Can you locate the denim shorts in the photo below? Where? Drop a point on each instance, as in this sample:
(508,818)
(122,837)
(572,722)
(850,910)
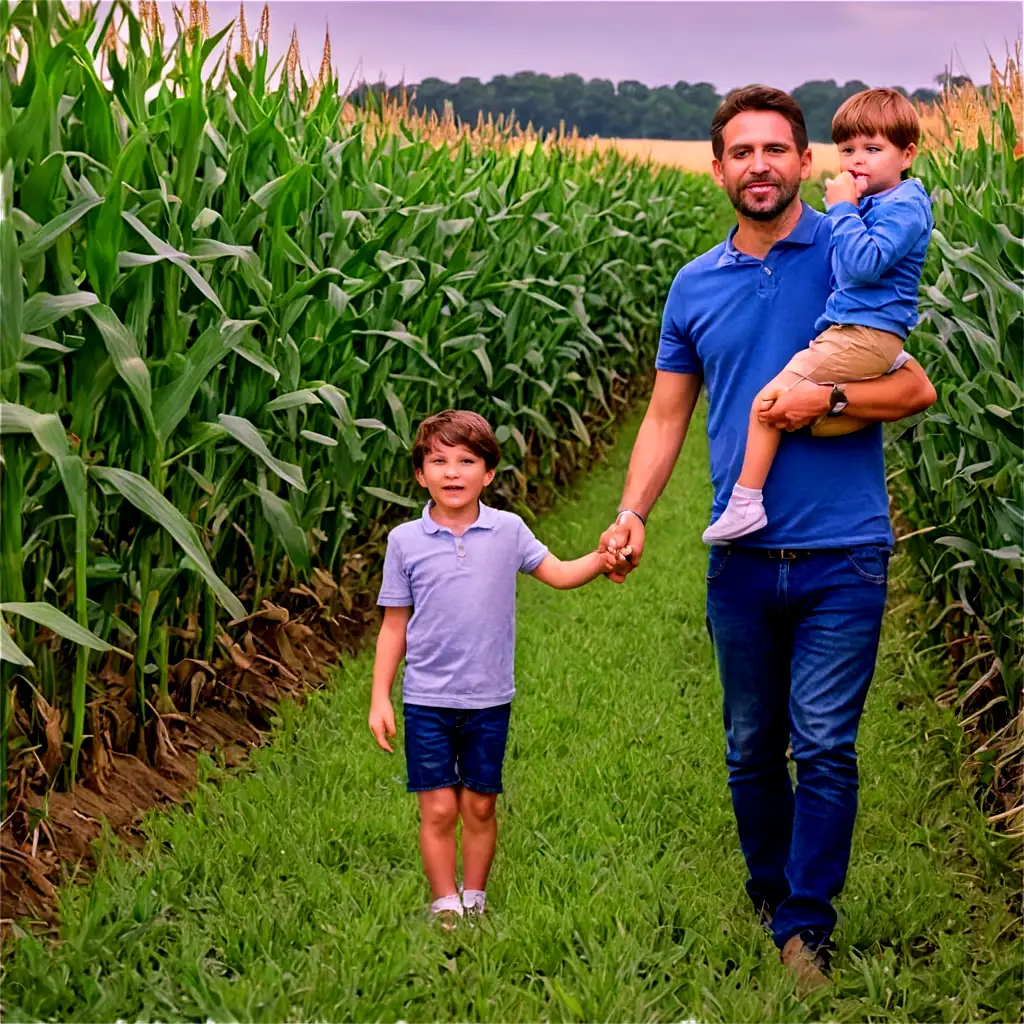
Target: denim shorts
(455,747)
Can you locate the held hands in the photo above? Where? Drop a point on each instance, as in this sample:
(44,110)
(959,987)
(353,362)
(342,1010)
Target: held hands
(382,722)
(844,188)
(616,562)
(623,541)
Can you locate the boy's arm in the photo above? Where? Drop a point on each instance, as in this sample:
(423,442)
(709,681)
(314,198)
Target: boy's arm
(866,253)
(568,575)
(390,652)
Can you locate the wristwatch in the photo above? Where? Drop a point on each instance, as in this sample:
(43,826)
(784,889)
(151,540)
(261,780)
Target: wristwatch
(837,401)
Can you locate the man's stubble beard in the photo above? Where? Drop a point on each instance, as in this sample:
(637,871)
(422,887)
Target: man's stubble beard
(787,193)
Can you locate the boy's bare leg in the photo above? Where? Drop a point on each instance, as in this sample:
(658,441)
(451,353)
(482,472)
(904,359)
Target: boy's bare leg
(479,837)
(745,512)
(763,440)
(439,813)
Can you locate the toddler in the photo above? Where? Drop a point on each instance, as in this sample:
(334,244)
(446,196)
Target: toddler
(881,225)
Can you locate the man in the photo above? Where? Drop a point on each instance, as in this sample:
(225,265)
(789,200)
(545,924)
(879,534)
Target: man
(794,610)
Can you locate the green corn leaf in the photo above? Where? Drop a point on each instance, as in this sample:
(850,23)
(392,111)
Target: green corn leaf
(178,258)
(124,354)
(36,244)
(293,400)
(49,434)
(395,499)
(312,435)
(147,499)
(41,310)
(54,619)
(12,320)
(246,434)
(35,341)
(281,517)
(171,404)
(10,651)
(248,351)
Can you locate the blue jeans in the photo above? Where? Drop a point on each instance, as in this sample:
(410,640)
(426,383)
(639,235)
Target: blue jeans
(795,641)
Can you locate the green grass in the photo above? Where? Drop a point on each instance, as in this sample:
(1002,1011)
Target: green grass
(293,891)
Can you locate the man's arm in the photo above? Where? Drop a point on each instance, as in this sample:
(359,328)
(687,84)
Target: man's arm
(654,457)
(660,439)
(895,396)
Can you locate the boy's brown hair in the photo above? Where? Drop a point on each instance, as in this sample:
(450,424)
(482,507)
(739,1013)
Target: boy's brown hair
(757,97)
(454,427)
(884,112)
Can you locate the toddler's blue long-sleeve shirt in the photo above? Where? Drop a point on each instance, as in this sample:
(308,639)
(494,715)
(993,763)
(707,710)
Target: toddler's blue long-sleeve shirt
(878,252)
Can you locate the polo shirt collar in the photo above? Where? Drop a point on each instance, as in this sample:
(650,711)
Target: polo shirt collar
(485,521)
(803,234)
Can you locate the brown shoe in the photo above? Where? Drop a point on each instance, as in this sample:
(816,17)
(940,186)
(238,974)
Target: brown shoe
(809,965)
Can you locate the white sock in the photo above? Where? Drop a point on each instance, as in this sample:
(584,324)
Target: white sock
(749,493)
(474,899)
(452,903)
(744,514)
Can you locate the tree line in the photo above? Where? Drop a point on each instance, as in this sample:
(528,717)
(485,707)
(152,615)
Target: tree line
(627,109)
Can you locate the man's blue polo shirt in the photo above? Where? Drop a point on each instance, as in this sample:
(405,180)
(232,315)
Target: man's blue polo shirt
(736,320)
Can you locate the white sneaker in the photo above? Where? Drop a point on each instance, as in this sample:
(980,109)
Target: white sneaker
(741,516)
(474,901)
(446,911)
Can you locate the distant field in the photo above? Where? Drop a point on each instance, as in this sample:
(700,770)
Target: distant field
(696,156)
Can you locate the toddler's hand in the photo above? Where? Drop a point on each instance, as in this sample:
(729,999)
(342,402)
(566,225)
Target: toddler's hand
(842,189)
(615,558)
(382,723)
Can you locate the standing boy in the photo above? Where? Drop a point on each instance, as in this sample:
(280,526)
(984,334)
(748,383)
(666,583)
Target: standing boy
(449,609)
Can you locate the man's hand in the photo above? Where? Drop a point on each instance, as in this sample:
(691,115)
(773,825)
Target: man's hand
(800,406)
(625,538)
(844,188)
(382,723)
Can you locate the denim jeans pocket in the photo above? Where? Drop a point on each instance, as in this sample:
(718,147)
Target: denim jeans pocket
(718,559)
(870,562)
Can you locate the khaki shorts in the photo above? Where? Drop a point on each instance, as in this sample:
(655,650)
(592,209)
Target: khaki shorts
(844,353)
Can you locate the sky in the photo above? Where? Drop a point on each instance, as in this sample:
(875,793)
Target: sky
(726,42)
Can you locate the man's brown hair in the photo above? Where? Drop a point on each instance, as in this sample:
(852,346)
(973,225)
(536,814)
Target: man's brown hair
(454,427)
(757,97)
(884,112)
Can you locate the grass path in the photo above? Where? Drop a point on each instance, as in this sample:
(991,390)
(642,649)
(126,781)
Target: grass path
(293,891)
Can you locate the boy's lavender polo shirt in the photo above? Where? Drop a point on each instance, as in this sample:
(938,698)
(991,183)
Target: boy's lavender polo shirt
(460,642)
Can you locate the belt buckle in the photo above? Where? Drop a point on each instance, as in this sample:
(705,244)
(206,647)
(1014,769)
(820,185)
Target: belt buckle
(783,554)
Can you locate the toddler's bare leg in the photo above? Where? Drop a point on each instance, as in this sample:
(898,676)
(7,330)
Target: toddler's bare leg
(762,440)
(439,813)
(479,836)
(745,512)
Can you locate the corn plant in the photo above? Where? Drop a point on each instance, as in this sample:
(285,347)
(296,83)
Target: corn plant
(226,304)
(963,466)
